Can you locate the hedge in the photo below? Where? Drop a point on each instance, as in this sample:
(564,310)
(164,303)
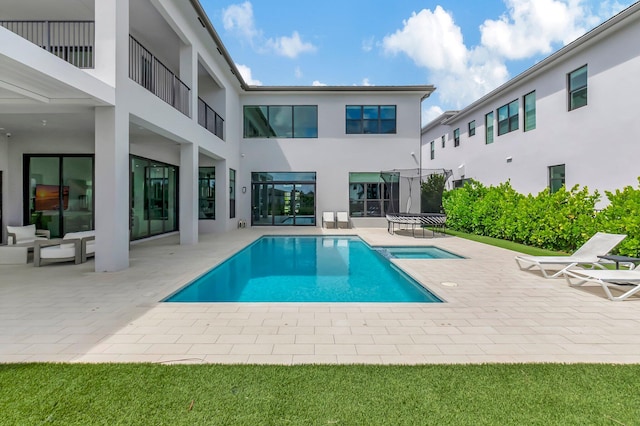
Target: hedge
(561,221)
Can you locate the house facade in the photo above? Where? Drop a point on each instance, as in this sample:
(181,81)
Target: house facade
(130,117)
(569,119)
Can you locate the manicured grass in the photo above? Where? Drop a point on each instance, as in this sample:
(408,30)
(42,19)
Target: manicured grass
(152,394)
(532,251)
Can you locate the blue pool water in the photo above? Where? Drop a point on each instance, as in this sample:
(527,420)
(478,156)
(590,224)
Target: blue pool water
(305,269)
(415,252)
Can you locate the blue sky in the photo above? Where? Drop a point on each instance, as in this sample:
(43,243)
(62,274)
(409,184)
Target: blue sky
(465,48)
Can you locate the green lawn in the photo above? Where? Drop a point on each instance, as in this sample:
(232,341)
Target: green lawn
(532,251)
(152,394)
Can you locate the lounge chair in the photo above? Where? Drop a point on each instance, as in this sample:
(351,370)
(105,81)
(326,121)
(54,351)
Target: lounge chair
(328,218)
(74,246)
(620,279)
(600,244)
(342,218)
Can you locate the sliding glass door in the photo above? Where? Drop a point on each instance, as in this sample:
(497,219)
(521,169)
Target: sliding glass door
(58,193)
(154,198)
(283,199)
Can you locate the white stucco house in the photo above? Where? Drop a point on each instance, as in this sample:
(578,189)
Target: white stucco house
(129,117)
(571,119)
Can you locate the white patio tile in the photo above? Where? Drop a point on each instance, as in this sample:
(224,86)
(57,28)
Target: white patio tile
(496,314)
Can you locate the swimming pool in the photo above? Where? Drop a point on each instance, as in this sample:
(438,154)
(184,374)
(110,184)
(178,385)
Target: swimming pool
(305,269)
(415,252)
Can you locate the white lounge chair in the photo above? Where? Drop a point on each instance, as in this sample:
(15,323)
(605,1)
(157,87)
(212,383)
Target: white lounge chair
(328,218)
(74,246)
(619,279)
(598,245)
(342,218)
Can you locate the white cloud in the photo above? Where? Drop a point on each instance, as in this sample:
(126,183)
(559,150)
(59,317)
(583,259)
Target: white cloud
(431,40)
(462,74)
(245,72)
(298,72)
(366,82)
(239,19)
(317,83)
(368,43)
(290,47)
(430,113)
(534,26)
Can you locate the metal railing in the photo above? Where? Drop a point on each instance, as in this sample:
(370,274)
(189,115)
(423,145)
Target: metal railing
(209,119)
(72,41)
(146,70)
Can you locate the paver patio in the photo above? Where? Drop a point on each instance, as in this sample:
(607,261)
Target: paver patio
(496,313)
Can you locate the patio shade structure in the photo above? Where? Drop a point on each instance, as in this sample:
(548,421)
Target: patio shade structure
(410,181)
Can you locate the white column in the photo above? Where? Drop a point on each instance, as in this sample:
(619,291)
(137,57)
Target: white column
(110,17)
(188,194)
(4,168)
(189,75)
(112,189)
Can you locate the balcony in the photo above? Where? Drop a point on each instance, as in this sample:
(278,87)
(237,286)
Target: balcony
(209,119)
(146,70)
(72,41)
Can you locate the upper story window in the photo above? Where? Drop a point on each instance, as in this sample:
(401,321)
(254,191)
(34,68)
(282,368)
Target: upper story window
(371,119)
(508,118)
(472,128)
(433,149)
(443,139)
(488,126)
(456,137)
(577,88)
(529,111)
(281,121)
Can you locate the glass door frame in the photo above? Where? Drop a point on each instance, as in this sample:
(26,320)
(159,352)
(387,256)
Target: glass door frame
(26,187)
(150,163)
(269,187)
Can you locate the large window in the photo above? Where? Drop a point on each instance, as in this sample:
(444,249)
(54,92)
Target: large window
(488,126)
(207,193)
(556,177)
(154,198)
(283,198)
(58,193)
(373,194)
(456,137)
(281,121)
(577,87)
(508,118)
(232,193)
(529,111)
(472,128)
(371,119)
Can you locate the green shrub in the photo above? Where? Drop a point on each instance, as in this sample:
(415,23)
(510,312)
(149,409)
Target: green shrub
(622,216)
(561,221)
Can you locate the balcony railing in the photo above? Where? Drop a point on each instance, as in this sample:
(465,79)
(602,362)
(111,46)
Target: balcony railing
(209,119)
(72,41)
(146,70)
